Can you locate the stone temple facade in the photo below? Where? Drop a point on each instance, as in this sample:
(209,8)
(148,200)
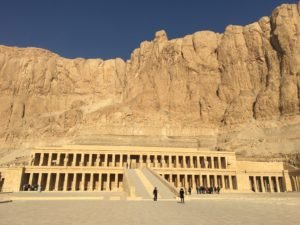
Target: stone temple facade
(105,168)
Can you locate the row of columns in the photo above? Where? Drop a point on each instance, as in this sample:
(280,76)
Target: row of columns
(110,181)
(227,182)
(127,160)
(295,181)
(75,181)
(266,183)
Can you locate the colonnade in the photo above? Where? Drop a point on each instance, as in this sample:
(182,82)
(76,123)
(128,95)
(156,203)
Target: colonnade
(114,181)
(129,160)
(295,181)
(75,181)
(266,183)
(228,182)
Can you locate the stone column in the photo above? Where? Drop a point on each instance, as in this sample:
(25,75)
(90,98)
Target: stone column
(298,183)
(82,160)
(277,183)
(82,181)
(65,188)
(148,161)
(185,181)
(74,160)
(155,161)
(113,160)
(193,181)
(211,162)
(192,164)
(139,162)
(128,160)
(47,188)
(66,159)
(41,159)
(271,184)
(56,187)
(106,163)
(90,163)
(262,184)
(255,184)
(215,163)
(49,159)
(184,161)
(208,180)
(200,180)
(215,180)
(197,162)
(30,178)
(97,163)
(100,182)
(230,183)
(170,162)
(287,181)
(219,163)
(116,181)
(223,181)
(176,161)
(108,182)
(163,161)
(178,181)
(40,179)
(91,182)
(58,159)
(121,160)
(205,162)
(74,182)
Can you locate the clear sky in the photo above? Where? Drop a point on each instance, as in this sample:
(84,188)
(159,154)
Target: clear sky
(113,28)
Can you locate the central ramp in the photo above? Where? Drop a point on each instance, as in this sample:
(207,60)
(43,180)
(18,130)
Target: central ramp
(144,180)
(164,191)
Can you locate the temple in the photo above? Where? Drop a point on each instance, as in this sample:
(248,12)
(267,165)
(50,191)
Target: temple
(106,168)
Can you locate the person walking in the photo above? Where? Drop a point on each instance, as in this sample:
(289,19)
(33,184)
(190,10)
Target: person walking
(155,192)
(181,195)
(190,190)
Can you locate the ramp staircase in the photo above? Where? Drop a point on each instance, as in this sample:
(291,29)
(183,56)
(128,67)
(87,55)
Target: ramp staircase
(141,182)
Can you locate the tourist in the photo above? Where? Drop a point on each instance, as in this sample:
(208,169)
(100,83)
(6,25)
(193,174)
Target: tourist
(218,190)
(181,195)
(190,190)
(155,192)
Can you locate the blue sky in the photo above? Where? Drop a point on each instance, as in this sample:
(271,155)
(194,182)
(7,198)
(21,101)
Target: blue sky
(113,28)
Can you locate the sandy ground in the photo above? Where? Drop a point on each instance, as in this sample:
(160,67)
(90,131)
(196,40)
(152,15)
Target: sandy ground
(233,209)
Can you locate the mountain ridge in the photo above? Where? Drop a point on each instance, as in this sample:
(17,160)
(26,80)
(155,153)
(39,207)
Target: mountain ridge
(238,91)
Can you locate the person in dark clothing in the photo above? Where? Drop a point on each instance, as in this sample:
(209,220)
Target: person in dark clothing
(190,190)
(181,194)
(155,192)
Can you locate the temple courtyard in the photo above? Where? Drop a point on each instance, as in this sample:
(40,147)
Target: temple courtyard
(113,209)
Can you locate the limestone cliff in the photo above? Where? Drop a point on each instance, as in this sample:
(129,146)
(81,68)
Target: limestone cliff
(235,91)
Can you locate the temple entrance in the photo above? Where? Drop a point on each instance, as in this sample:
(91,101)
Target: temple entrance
(133,164)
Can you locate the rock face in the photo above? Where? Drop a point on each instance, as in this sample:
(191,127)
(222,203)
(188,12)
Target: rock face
(234,91)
